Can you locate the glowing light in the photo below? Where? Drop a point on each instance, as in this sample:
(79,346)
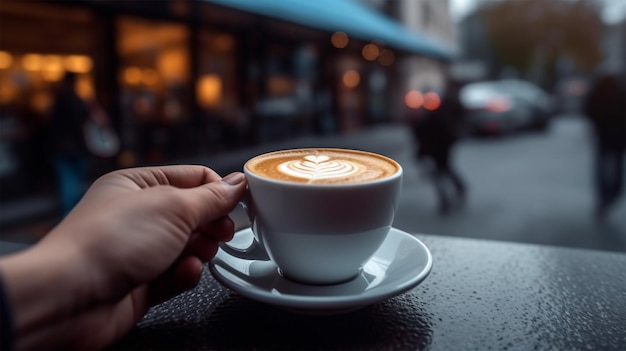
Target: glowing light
(370,52)
(78,63)
(132,75)
(431,101)
(280,85)
(209,90)
(351,78)
(149,77)
(172,65)
(339,40)
(84,87)
(41,101)
(9,91)
(386,57)
(223,43)
(498,104)
(414,99)
(32,62)
(52,68)
(6,60)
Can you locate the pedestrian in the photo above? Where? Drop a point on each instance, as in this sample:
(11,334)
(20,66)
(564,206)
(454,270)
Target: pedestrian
(606,109)
(437,132)
(138,237)
(66,145)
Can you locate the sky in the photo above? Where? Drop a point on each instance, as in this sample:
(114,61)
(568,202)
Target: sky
(614,10)
(459,8)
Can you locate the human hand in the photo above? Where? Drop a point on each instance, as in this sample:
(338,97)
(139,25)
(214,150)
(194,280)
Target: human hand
(137,237)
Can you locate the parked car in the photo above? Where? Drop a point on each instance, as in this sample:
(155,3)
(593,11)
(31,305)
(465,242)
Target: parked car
(504,106)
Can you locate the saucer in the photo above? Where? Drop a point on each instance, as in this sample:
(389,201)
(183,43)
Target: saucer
(401,263)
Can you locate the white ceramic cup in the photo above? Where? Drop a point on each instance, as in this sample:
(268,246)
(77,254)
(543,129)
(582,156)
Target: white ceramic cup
(319,233)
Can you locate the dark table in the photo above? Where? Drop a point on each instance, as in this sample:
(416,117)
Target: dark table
(480,295)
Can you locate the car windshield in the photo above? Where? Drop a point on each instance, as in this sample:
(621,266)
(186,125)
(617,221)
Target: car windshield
(476,94)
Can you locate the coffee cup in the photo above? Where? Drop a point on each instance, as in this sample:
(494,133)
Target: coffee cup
(319,213)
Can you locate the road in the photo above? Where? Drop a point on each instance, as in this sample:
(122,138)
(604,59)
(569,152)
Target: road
(533,187)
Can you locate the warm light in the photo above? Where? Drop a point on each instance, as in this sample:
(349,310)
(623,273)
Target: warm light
(41,101)
(498,104)
(223,43)
(386,57)
(339,40)
(132,75)
(370,52)
(9,91)
(172,65)
(6,60)
(209,90)
(32,62)
(84,87)
(431,101)
(52,68)
(149,77)
(280,85)
(414,99)
(351,78)
(78,63)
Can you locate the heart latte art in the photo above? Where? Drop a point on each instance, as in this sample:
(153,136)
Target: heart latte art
(316,167)
(322,166)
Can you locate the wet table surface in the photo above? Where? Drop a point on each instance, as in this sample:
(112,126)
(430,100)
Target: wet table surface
(480,295)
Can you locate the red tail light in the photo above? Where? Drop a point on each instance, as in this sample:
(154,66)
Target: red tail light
(498,104)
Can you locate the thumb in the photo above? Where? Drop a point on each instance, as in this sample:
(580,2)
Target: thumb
(217,199)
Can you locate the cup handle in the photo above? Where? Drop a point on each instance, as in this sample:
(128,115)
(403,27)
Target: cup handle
(256,250)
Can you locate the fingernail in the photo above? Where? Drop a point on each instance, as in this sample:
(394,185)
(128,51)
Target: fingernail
(234,178)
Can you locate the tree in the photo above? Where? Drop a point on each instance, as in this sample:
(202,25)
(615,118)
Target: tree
(527,34)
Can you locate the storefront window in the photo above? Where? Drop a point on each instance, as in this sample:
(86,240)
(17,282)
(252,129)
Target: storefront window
(351,93)
(154,84)
(39,44)
(217,71)
(224,121)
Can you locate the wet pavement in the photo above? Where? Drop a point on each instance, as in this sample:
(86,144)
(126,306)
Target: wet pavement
(531,187)
(534,187)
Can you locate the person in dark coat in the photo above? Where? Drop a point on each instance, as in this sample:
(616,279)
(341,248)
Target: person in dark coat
(67,144)
(437,132)
(606,109)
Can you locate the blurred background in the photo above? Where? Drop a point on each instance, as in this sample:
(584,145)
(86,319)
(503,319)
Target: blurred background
(215,82)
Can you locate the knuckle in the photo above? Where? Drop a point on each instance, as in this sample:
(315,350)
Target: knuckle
(178,200)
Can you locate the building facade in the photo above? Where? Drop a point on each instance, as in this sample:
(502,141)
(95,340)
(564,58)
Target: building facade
(182,78)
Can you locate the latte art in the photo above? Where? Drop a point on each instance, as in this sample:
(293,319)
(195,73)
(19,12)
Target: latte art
(322,166)
(315,167)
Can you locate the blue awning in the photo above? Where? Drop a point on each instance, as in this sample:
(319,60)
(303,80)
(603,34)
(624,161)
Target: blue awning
(351,17)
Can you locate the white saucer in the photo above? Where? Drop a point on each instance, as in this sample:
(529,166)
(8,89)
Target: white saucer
(401,263)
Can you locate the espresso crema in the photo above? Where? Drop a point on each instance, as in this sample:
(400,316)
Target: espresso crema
(322,166)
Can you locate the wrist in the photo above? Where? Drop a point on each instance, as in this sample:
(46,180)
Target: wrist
(43,287)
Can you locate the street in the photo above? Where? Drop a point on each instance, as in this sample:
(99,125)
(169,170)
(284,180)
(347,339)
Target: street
(533,187)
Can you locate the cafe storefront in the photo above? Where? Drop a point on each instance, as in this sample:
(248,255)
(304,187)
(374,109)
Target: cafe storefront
(180,78)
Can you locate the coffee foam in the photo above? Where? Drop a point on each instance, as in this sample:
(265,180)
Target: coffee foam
(322,166)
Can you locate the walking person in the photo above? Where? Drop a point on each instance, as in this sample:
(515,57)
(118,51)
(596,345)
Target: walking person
(66,143)
(437,132)
(606,109)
